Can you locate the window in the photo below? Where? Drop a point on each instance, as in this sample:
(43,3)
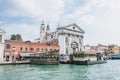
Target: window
(77,36)
(79,41)
(37,49)
(80,49)
(68,35)
(51,36)
(31,49)
(21,48)
(66,50)
(46,38)
(82,37)
(73,27)
(13,48)
(0,38)
(43,29)
(42,49)
(26,49)
(7,46)
(46,49)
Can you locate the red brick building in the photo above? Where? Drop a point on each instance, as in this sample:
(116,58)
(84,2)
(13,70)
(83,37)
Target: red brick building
(13,47)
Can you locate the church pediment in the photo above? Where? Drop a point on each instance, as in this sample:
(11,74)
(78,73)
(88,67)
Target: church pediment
(73,27)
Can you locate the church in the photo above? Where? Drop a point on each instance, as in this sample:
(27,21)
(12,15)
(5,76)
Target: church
(69,37)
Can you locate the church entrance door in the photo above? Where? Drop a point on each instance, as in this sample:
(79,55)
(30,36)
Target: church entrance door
(74,46)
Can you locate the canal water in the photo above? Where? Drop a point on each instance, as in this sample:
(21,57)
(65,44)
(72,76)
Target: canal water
(107,71)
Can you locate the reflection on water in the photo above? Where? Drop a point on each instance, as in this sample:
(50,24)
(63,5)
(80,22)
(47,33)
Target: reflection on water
(107,71)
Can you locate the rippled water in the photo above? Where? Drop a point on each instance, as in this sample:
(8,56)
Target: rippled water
(107,71)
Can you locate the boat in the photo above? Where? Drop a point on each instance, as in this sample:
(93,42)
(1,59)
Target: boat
(46,58)
(85,58)
(114,56)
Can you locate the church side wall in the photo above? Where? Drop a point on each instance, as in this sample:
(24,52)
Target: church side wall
(1,51)
(62,45)
(2,47)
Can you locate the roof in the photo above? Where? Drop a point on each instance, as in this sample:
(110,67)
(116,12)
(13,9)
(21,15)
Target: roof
(2,30)
(74,24)
(50,33)
(30,43)
(37,39)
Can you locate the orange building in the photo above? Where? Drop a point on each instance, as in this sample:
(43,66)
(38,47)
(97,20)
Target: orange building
(113,48)
(13,48)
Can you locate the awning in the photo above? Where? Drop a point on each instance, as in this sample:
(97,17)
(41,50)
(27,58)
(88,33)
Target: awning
(25,54)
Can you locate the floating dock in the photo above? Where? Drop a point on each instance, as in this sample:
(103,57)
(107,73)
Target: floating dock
(89,62)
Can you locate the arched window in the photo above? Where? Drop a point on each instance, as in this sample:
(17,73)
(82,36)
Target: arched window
(7,46)
(21,48)
(37,49)
(51,36)
(0,38)
(31,49)
(26,49)
(74,45)
(42,49)
(43,29)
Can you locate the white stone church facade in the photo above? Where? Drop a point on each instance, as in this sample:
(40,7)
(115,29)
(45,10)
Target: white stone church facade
(69,38)
(2,34)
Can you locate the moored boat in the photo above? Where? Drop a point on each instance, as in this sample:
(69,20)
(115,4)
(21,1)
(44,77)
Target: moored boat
(50,57)
(85,58)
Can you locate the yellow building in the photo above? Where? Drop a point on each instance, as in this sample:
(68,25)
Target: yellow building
(113,48)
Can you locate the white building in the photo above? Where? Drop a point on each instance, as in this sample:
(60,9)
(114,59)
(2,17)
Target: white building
(69,38)
(2,33)
(87,48)
(99,48)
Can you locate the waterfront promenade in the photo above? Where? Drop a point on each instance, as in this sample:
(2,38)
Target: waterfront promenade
(107,71)
(14,62)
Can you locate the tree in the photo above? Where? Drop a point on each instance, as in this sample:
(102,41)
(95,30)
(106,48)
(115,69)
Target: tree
(13,37)
(16,37)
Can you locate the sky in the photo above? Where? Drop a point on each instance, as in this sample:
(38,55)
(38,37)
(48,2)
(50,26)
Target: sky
(100,19)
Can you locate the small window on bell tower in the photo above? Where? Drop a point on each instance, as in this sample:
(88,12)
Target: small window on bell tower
(43,29)
(0,38)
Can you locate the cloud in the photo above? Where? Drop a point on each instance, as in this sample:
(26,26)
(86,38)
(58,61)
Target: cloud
(105,28)
(99,18)
(28,31)
(109,3)
(81,14)
(86,14)
(36,9)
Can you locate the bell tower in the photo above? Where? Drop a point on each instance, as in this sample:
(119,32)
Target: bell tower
(48,29)
(42,31)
